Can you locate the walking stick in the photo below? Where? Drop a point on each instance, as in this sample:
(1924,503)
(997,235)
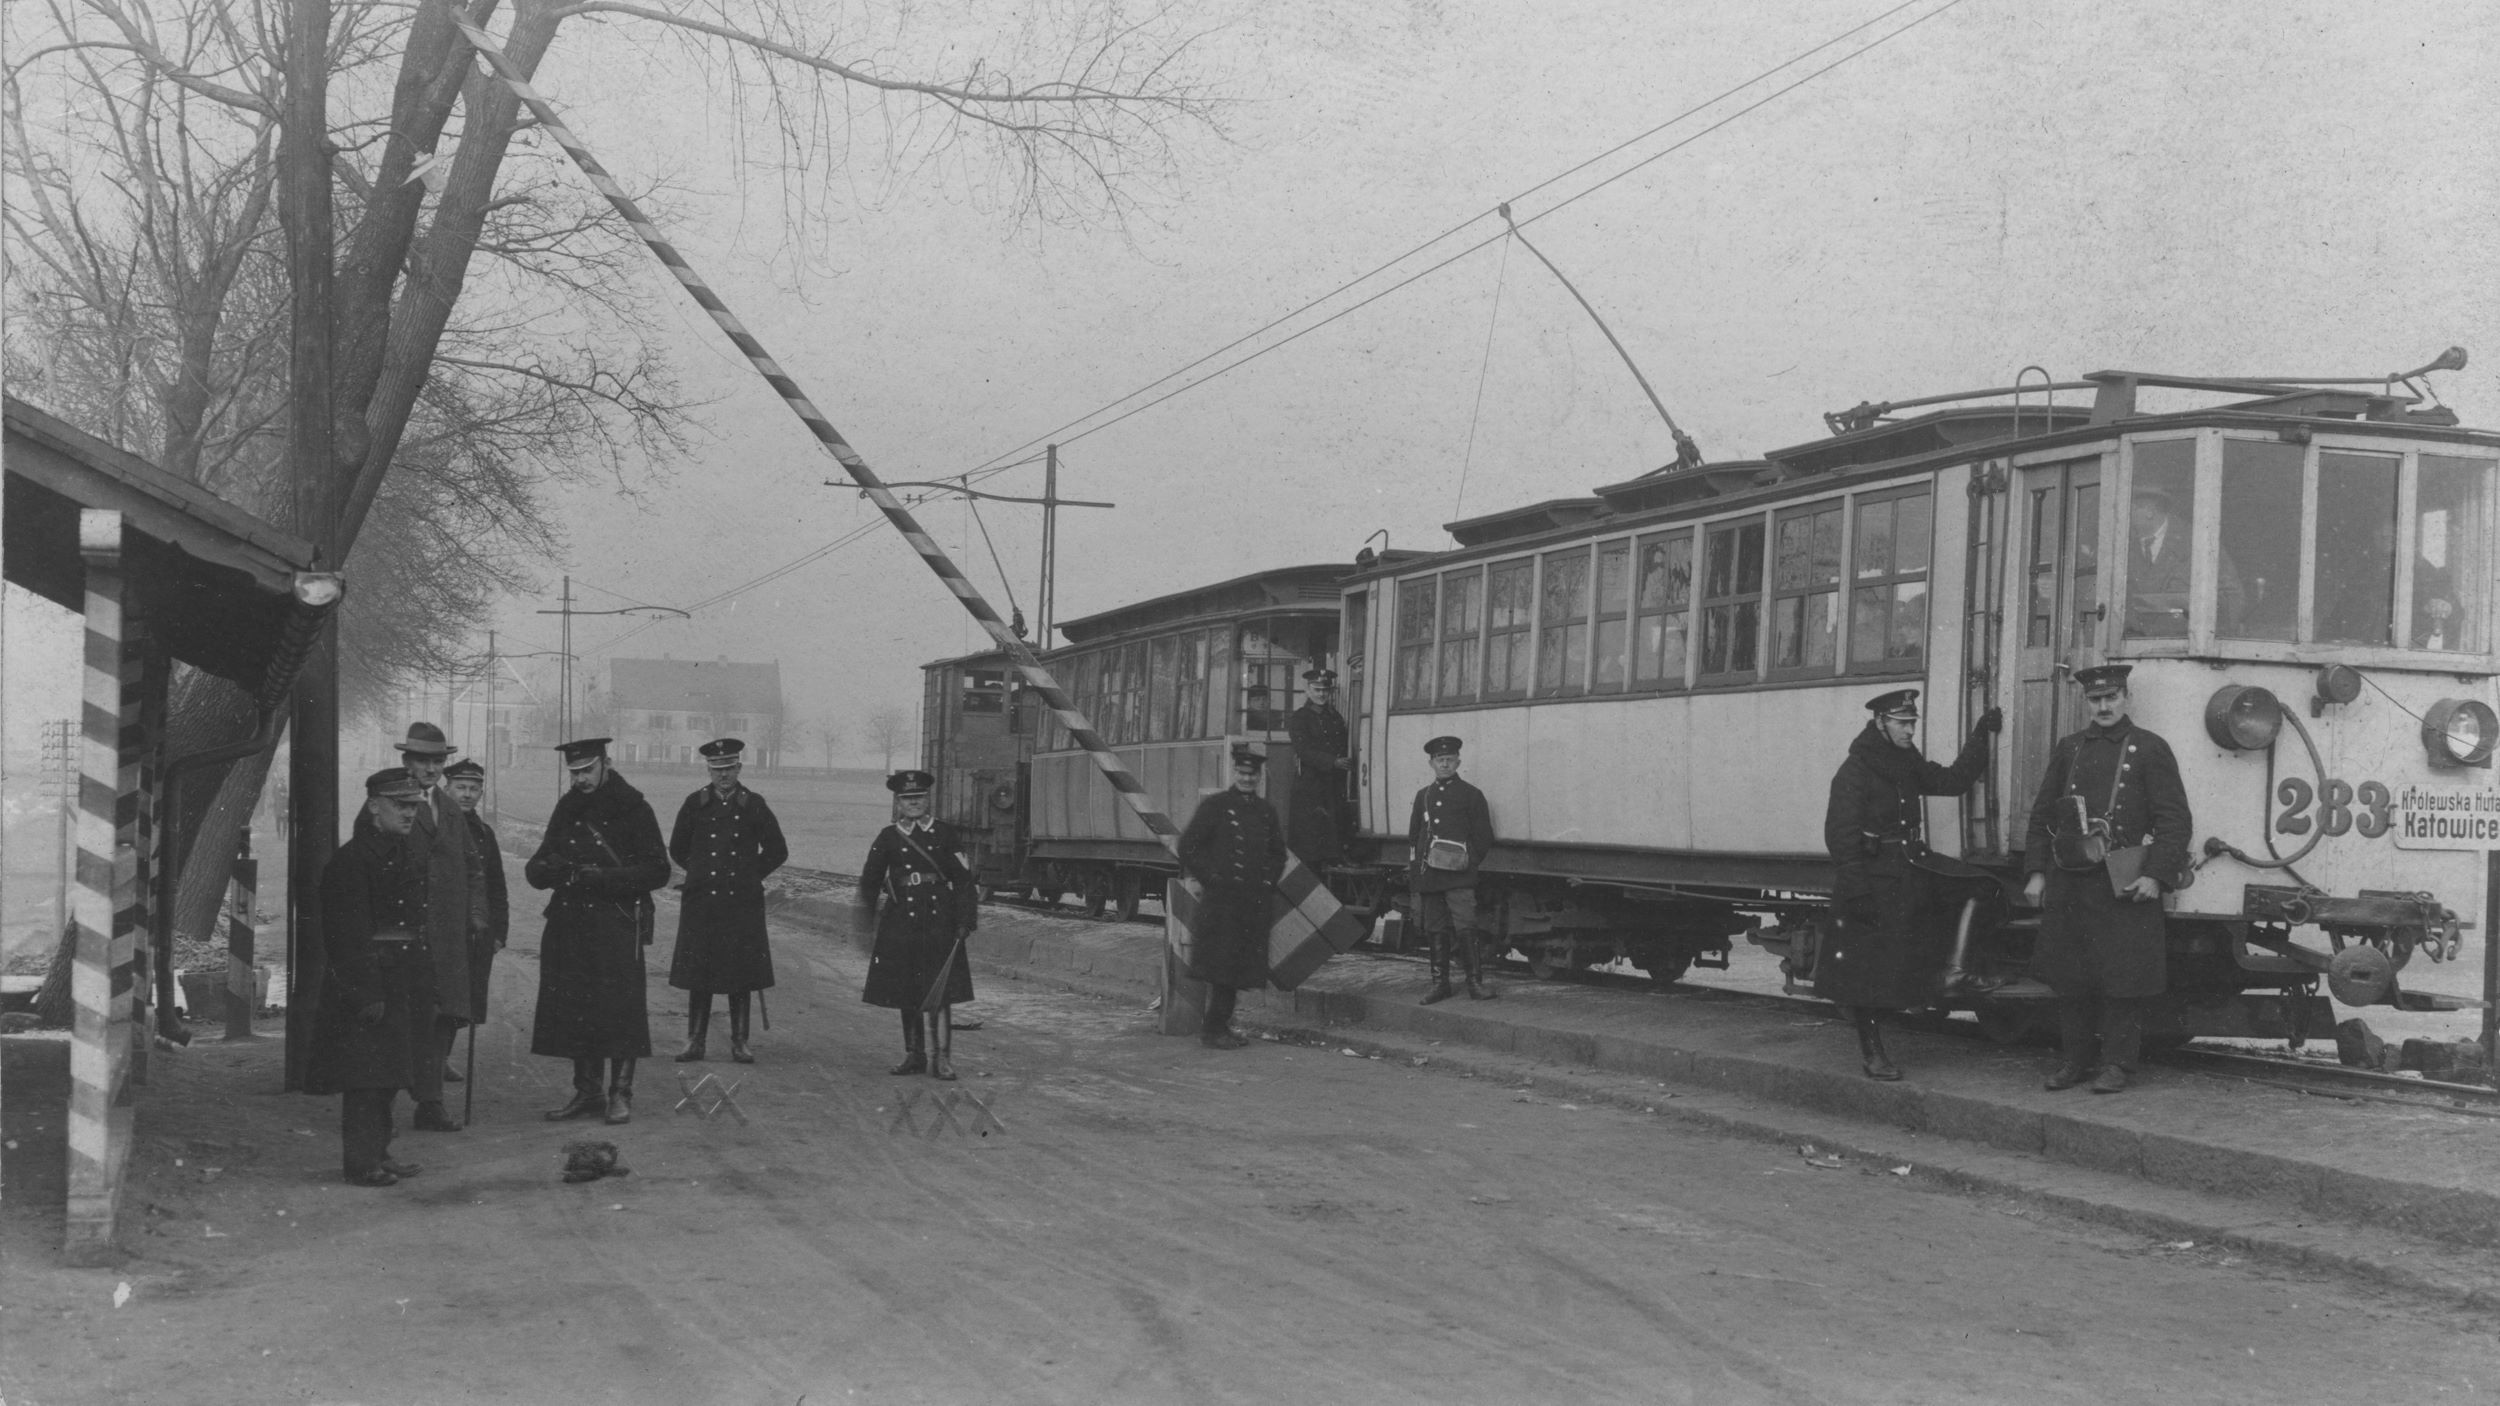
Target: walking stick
(468,1086)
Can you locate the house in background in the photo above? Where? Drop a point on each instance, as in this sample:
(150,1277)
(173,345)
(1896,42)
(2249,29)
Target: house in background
(660,710)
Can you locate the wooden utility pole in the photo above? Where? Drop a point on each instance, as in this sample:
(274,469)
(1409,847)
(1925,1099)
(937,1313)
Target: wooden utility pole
(313,721)
(1048,596)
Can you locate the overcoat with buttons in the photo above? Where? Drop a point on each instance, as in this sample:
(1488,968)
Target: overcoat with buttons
(374,884)
(1318,808)
(602,856)
(1235,847)
(485,945)
(1447,810)
(1884,948)
(922,901)
(2092,941)
(727,848)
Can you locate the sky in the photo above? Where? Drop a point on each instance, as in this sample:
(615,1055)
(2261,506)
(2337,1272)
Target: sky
(2289,189)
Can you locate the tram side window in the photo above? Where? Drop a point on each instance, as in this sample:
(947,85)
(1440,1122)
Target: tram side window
(1163,674)
(2452,555)
(1614,591)
(1462,620)
(2356,591)
(1805,586)
(1662,610)
(1188,709)
(1509,607)
(985,691)
(1562,652)
(2257,590)
(2161,521)
(1271,658)
(1888,594)
(1219,672)
(1731,601)
(1415,626)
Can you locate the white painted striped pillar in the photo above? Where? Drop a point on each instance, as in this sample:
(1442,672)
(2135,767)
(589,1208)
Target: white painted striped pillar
(99,1126)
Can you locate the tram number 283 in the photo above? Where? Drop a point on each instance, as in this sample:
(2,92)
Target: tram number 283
(2369,809)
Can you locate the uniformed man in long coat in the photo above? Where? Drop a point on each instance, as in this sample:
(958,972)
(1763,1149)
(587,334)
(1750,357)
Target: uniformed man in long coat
(1448,834)
(602,856)
(1886,948)
(1234,848)
(917,895)
(2111,797)
(727,840)
(374,1031)
(455,911)
(466,781)
(1316,823)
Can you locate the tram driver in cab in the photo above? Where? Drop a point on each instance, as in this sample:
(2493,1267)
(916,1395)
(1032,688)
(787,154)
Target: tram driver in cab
(2160,532)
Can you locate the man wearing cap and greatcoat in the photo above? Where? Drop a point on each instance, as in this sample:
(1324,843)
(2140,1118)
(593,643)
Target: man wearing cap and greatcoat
(1316,817)
(917,896)
(1448,834)
(1889,946)
(601,856)
(466,781)
(1235,848)
(727,840)
(455,911)
(373,1032)
(2111,800)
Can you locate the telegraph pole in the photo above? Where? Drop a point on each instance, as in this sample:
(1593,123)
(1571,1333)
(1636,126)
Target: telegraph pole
(313,721)
(1043,602)
(494,744)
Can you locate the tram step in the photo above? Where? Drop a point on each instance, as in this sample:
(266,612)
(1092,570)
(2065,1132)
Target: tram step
(2435,1001)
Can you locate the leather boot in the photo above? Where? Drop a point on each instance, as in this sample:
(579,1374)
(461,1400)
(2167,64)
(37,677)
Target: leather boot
(1440,970)
(1871,1053)
(1479,986)
(2074,1040)
(739,1004)
(698,1025)
(587,1098)
(620,1091)
(942,1043)
(915,1048)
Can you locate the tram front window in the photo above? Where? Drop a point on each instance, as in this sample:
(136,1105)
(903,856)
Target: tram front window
(2452,554)
(2356,600)
(2258,589)
(2161,520)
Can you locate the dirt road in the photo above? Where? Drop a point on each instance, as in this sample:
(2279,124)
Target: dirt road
(1147,1221)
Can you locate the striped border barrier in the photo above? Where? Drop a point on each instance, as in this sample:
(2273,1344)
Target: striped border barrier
(102,972)
(1315,914)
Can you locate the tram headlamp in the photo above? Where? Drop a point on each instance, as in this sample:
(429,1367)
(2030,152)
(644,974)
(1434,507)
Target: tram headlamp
(2243,718)
(2337,683)
(2460,732)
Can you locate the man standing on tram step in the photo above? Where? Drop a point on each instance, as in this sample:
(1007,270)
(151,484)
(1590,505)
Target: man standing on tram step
(1316,818)
(1235,848)
(1889,947)
(728,842)
(374,1030)
(455,912)
(2109,832)
(466,781)
(1449,834)
(917,896)
(602,856)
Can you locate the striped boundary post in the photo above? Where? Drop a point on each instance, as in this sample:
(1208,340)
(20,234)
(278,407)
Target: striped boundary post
(100,977)
(1309,898)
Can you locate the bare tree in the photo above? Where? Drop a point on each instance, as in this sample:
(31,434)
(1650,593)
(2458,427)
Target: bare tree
(482,300)
(888,727)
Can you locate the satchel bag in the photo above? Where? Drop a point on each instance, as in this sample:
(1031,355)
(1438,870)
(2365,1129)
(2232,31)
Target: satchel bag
(2087,843)
(2126,865)
(1448,855)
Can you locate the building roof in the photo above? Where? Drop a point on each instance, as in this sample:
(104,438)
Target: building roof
(694,685)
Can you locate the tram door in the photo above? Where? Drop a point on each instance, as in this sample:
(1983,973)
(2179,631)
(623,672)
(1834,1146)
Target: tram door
(2059,515)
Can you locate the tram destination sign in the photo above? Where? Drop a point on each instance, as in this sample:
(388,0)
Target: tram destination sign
(2447,817)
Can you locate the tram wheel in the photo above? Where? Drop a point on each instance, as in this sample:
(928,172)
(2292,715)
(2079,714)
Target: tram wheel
(1545,963)
(1129,890)
(2006,1024)
(1097,892)
(1666,969)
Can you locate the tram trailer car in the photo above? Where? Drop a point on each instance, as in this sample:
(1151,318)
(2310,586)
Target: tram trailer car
(1656,681)
(1171,683)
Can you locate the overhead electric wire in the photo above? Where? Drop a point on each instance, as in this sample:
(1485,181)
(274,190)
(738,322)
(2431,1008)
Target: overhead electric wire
(1376,270)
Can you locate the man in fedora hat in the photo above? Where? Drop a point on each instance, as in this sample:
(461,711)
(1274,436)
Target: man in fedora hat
(2160,553)
(728,841)
(1234,848)
(373,1029)
(2110,804)
(1448,834)
(916,895)
(1323,756)
(1887,948)
(602,856)
(456,915)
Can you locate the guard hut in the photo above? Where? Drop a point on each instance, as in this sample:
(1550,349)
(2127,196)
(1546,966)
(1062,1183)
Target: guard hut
(162,570)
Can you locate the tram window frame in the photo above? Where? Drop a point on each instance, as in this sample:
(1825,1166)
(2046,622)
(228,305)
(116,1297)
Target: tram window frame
(1514,645)
(2476,542)
(2178,485)
(1675,611)
(1883,584)
(1220,651)
(1808,528)
(1560,632)
(1413,651)
(2330,477)
(2258,478)
(1458,644)
(1162,686)
(1731,600)
(1610,615)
